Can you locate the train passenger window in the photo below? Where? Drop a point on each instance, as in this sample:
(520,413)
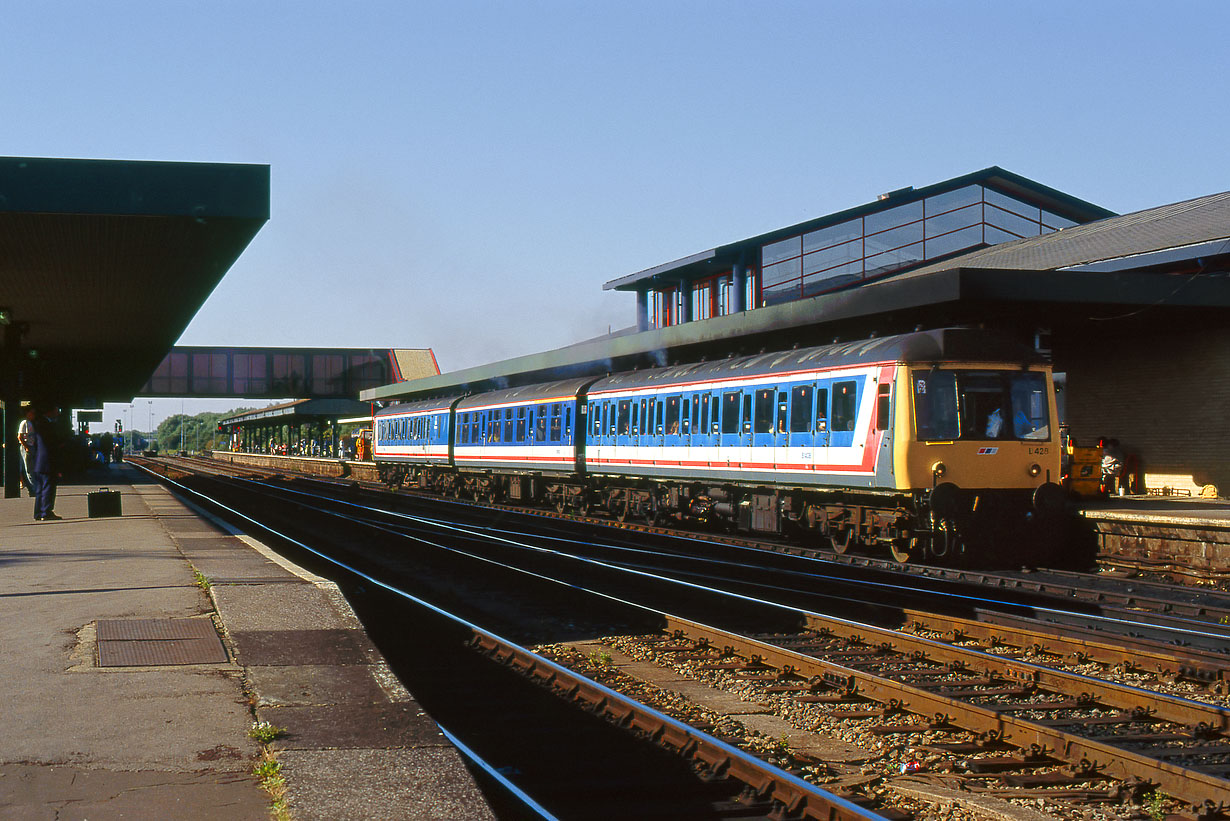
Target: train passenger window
(521,426)
(845,405)
(656,410)
(781,411)
(747,413)
(625,417)
(883,406)
(540,429)
(800,408)
(596,413)
(567,423)
(672,415)
(646,422)
(508,425)
(474,428)
(463,429)
(730,412)
(555,431)
(687,415)
(764,411)
(704,413)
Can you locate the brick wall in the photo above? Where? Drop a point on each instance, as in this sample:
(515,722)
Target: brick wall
(1163,393)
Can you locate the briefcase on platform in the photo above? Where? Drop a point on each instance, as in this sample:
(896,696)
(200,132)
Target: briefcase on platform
(103,502)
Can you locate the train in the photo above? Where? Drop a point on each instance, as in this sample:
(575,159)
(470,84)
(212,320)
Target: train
(934,444)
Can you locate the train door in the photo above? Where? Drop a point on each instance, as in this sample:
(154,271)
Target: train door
(800,429)
(764,435)
(736,428)
(843,419)
(651,437)
(673,439)
(623,426)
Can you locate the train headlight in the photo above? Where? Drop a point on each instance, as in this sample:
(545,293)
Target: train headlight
(939,469)
(1035,469)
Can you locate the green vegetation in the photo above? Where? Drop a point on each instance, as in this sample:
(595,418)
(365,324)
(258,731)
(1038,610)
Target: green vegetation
(200,432)
(264,732)
(202,581)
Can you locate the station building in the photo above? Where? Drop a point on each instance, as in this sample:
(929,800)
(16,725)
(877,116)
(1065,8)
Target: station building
(1131,308)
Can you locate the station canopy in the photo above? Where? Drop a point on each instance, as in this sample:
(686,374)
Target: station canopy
(103,263)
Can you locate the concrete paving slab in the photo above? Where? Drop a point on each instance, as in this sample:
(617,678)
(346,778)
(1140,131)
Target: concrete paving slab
(354,726)
(315,684)
(381,785)
(62,793)
(279,607)
(298,647)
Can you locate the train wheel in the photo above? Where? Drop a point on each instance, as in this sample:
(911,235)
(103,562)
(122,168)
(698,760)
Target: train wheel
(905,550)
(842,540)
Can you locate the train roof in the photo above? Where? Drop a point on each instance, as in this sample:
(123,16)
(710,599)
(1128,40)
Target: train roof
(437,404)
(925,347)
(541,392)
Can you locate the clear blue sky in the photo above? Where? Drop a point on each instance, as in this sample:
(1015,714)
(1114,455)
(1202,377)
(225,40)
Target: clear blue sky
(465,175)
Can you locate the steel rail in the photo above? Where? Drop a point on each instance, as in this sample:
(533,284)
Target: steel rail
(1080,644)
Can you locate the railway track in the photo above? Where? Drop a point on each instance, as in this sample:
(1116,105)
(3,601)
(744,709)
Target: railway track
(696,775)
(1144,741)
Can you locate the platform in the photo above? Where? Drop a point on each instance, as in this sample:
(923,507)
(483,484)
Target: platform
(1170,532)
(129,687)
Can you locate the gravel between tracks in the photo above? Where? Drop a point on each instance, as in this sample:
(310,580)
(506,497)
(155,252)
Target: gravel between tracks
(896,771)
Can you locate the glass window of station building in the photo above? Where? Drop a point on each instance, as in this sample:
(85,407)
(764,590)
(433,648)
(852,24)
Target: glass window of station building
(900,230)
(880,243)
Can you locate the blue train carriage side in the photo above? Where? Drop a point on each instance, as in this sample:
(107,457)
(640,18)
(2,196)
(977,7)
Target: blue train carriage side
(412,444)
(523,444)
(825,441)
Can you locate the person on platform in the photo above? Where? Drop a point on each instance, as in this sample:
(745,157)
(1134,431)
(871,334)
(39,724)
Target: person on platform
(25,435)
(45,464)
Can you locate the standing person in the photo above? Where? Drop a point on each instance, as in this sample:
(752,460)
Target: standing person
(45,464)
(25,434)
(104,447)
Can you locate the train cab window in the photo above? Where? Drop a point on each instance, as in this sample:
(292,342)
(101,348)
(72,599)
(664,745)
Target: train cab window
(800,408)
(883,406)
(672,415)
(763,421)
(781,411)
(1029,406)
(845,405)
(686,415)
(935,405)
(730,412)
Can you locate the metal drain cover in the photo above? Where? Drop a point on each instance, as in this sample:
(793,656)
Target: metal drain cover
(158,642)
